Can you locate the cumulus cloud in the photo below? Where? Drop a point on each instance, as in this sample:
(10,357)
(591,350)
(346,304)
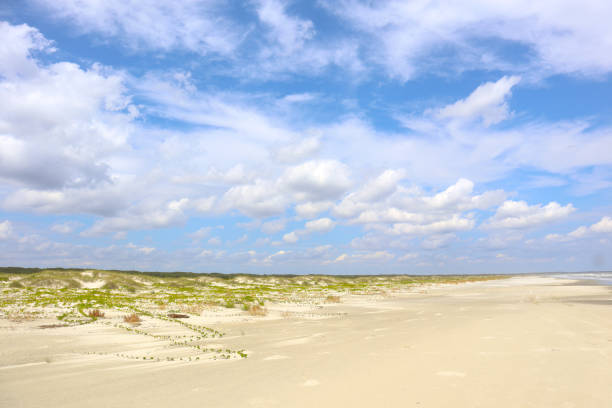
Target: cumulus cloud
(317,180)
(487,103)
(320,225)
(6,229)
(518,214)
(297,151)
(237,174)
(274,226)
(437,241)
(312,209)
(261,199)
(141,249)
(58,116)
(603,226)
(454,223)
(146,217)
(104,202)
(19,43)
(200,233)
(382,186)
(65,227)
(291,237)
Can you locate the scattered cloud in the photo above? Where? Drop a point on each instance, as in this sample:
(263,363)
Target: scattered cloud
(66,227)
(603,226)
(151,25)
(486,103)
(6,229)
(518,215)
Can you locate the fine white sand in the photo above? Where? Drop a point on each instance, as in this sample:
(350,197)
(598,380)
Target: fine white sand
(520,342)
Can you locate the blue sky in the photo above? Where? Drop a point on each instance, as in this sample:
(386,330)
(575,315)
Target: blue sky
(271,136)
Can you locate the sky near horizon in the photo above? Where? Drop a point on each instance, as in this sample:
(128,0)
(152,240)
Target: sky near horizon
(271,136)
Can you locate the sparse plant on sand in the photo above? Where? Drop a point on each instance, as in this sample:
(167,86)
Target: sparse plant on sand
(96,314)
(132,318)
(332,299)
(256,310)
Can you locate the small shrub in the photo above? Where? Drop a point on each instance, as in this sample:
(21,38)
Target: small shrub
(332,299)
(110,285)
(96,313)
(256,310)
(15,284)
(177,316)
(72,284)
(229,304)
(133,318)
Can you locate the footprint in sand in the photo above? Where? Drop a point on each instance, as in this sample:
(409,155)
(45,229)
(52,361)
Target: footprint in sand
(310,383)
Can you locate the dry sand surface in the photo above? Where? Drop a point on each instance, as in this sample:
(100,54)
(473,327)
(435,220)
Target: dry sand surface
(519,342)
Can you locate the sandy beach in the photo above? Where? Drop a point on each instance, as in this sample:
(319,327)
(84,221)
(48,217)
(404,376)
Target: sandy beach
(518,342)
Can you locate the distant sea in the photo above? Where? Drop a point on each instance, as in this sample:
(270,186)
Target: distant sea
(604,278)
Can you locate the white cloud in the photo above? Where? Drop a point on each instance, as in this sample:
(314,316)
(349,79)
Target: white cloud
(274,226)
(320,225)
(149,216)
(237,174)
(292,46)
(57,116)
(487,102)
(408,257)
(289,32)
(518,214)
(291,237)
(380,187)
(298,97)
(6,229)
(204,204)
(200,233)
(406,38)
(437,241)
(452,224)
(65,227)
(18,43)
(160,25)
(261,199)
(214,241)
(103,202)
(317,180)
(146,250)
(372,256)
(603,226)
(141,249)
(312,209)
(297,151)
